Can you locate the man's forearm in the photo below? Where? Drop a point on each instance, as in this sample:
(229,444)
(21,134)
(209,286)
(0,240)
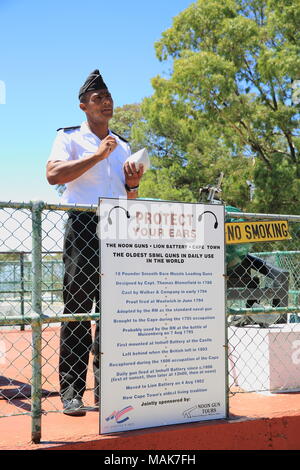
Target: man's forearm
(61,172)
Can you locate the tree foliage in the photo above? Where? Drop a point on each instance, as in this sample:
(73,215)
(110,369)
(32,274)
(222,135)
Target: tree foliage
(227,102)
(125,117)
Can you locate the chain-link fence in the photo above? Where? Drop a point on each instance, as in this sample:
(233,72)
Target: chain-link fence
(264,311)
(49,310)
(32,311)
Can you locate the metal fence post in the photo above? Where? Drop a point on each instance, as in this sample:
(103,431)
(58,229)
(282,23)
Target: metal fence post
(22,288)
(36,324)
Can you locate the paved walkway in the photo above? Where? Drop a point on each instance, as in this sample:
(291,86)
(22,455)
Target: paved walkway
(255,422)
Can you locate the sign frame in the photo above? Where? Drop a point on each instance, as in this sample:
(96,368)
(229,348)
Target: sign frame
(118,419)
(255,232)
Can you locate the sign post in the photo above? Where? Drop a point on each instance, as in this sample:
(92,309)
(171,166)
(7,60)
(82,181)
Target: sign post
(163,335)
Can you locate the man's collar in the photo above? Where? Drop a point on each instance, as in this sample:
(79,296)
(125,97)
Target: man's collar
(85,130)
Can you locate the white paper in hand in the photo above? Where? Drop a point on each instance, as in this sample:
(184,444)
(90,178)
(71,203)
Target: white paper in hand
(140,157)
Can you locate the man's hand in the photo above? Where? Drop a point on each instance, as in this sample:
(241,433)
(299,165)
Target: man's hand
(132,174)
(107,146)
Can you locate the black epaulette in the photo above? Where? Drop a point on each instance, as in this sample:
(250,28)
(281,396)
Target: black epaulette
(67,128)
(120,137)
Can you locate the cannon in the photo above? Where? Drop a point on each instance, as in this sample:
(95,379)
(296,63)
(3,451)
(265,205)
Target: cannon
(250,279)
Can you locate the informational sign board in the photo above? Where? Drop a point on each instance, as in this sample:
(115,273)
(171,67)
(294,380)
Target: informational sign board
(163,339)
(259,231)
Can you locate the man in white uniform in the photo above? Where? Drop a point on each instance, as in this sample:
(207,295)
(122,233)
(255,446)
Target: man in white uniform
(88,160)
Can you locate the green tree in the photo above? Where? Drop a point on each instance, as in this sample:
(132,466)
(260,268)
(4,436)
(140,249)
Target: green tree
(227,103)
(125,117)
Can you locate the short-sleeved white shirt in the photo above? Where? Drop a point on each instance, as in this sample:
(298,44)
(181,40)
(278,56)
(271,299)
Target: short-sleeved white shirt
(105,179)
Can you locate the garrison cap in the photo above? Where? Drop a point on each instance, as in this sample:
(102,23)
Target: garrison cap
(92,83)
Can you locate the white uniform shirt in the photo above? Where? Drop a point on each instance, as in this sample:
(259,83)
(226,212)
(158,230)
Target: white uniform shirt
(105,179)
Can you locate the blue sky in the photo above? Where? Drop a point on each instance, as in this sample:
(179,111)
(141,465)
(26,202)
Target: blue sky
(47,50)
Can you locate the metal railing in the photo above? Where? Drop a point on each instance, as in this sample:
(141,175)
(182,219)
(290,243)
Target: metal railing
(16,279)
(263,293)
